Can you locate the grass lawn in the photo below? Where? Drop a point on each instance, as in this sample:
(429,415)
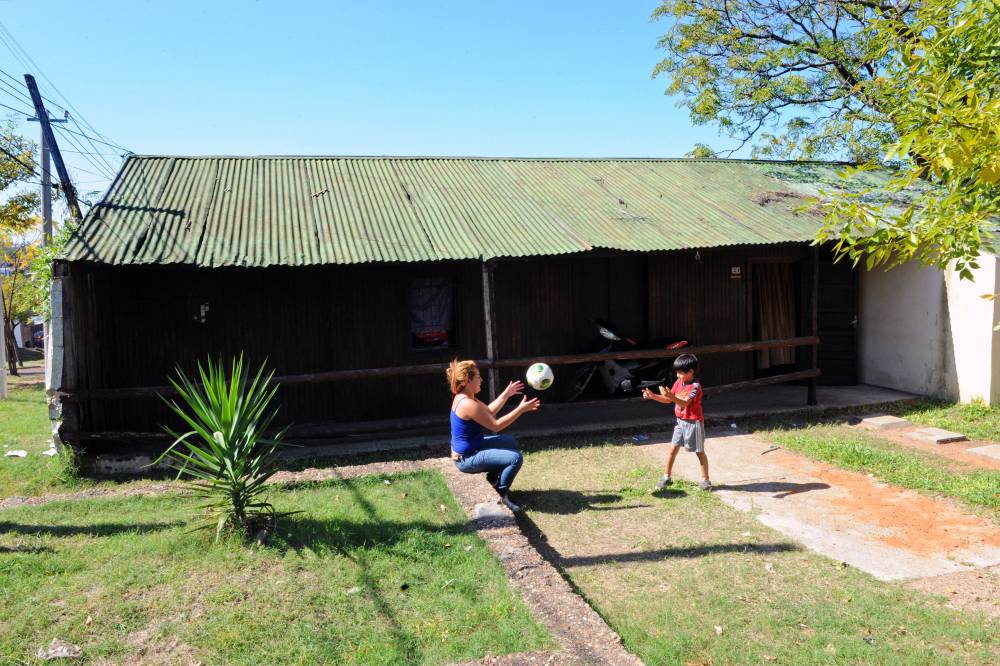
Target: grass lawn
(852,449)
(974,420)
(686,579)
(371,573)
(24,424)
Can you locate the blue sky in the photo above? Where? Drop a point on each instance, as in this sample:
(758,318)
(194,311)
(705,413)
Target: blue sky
(368,78)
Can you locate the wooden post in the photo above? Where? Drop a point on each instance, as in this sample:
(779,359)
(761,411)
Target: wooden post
(490,324)
(65,183)
(811,398)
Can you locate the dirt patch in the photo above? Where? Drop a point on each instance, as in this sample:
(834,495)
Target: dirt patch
(149,490)
(149,649)
(144,490)
(908,520)
(314,474)
(978,591)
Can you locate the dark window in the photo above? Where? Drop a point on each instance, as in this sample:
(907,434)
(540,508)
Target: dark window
(430,313)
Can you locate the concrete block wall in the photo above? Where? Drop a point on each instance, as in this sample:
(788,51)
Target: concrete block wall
(926,331)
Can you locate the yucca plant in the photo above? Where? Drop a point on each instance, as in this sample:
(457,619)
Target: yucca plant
(225,453)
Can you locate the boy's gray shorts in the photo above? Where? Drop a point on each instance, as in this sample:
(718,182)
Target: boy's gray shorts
(690,435)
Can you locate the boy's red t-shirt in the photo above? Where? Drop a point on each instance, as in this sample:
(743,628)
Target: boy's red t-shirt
(692,411)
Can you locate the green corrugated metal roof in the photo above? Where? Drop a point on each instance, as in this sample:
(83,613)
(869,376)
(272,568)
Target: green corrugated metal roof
(297,211)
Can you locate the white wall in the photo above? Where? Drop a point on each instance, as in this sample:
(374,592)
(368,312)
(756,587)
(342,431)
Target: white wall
(926,331)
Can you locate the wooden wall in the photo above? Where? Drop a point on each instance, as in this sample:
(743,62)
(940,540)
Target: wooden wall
(130,326)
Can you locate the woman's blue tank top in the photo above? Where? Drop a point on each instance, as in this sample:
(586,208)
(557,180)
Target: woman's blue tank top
(466,436)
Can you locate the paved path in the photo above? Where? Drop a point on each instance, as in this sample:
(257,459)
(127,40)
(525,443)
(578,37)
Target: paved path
(890,532)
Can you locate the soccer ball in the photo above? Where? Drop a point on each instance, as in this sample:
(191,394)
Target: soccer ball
(539,376)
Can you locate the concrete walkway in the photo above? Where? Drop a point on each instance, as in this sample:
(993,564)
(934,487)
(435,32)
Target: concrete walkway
(890,532)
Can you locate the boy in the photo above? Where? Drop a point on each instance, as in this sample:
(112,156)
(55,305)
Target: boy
(685,395)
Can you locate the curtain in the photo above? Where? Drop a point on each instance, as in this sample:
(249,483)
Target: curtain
(774,296)
(430,312)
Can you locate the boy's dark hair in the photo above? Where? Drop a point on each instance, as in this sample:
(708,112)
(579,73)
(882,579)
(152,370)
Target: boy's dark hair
(685,362)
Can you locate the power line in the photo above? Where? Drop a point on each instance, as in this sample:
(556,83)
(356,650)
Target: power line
(17,159)
(90,153)
(87,157)
(96,152)
(26,113)
(111,145)
(76,112)
(15,91)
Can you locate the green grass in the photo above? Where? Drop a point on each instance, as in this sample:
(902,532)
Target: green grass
(24,425)
(665,570)
(975,420)
(369,574)
(850,449)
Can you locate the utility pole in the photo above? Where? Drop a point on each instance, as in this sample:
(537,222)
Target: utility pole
(46,169)
(49,138)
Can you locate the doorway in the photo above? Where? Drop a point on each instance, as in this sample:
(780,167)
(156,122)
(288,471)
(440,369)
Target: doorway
(774,298)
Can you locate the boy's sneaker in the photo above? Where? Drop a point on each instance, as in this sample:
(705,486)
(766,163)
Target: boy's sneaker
(663,482)
(510,505)
(705,485)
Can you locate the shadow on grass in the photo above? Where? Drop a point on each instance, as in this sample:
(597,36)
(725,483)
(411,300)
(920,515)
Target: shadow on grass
(677,553)
(670,493)
(781,489)
(345,536)
(564,502)
(98,530)
(353,540)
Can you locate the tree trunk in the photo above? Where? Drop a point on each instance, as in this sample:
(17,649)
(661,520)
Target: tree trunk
(8,336)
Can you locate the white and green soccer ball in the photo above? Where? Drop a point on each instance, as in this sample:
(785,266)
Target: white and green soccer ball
(539,376)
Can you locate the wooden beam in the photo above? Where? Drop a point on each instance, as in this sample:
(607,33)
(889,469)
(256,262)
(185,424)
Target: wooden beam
(811,398)
(763,381)
(434,368)
(333,429)
(489,321)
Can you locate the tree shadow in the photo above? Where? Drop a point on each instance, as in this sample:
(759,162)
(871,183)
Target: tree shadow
(97,530)
(345,536)
(565,502)
(782,489)
(676,553)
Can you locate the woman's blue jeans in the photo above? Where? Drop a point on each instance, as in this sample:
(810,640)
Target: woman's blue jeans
(499,458)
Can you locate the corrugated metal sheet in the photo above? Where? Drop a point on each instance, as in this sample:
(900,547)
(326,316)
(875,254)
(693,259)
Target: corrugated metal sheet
(299,211)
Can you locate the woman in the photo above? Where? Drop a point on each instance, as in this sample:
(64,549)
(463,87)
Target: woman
(497,455)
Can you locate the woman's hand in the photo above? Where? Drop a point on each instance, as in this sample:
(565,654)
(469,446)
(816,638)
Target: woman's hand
(529,404)
(514,388)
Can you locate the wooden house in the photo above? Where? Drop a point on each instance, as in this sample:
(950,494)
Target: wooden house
(357,278)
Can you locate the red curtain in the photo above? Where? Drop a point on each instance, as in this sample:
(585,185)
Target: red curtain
(774,295)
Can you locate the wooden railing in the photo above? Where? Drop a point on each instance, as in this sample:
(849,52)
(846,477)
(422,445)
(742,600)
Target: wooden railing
(435,368)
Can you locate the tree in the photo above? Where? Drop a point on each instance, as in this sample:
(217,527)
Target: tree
(18,206)
(17,215)
(944,74)
(906,84)
(787,75)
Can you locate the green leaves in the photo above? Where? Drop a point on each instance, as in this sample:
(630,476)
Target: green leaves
(942,96)
(225,453)
(912,86)
(757,67)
